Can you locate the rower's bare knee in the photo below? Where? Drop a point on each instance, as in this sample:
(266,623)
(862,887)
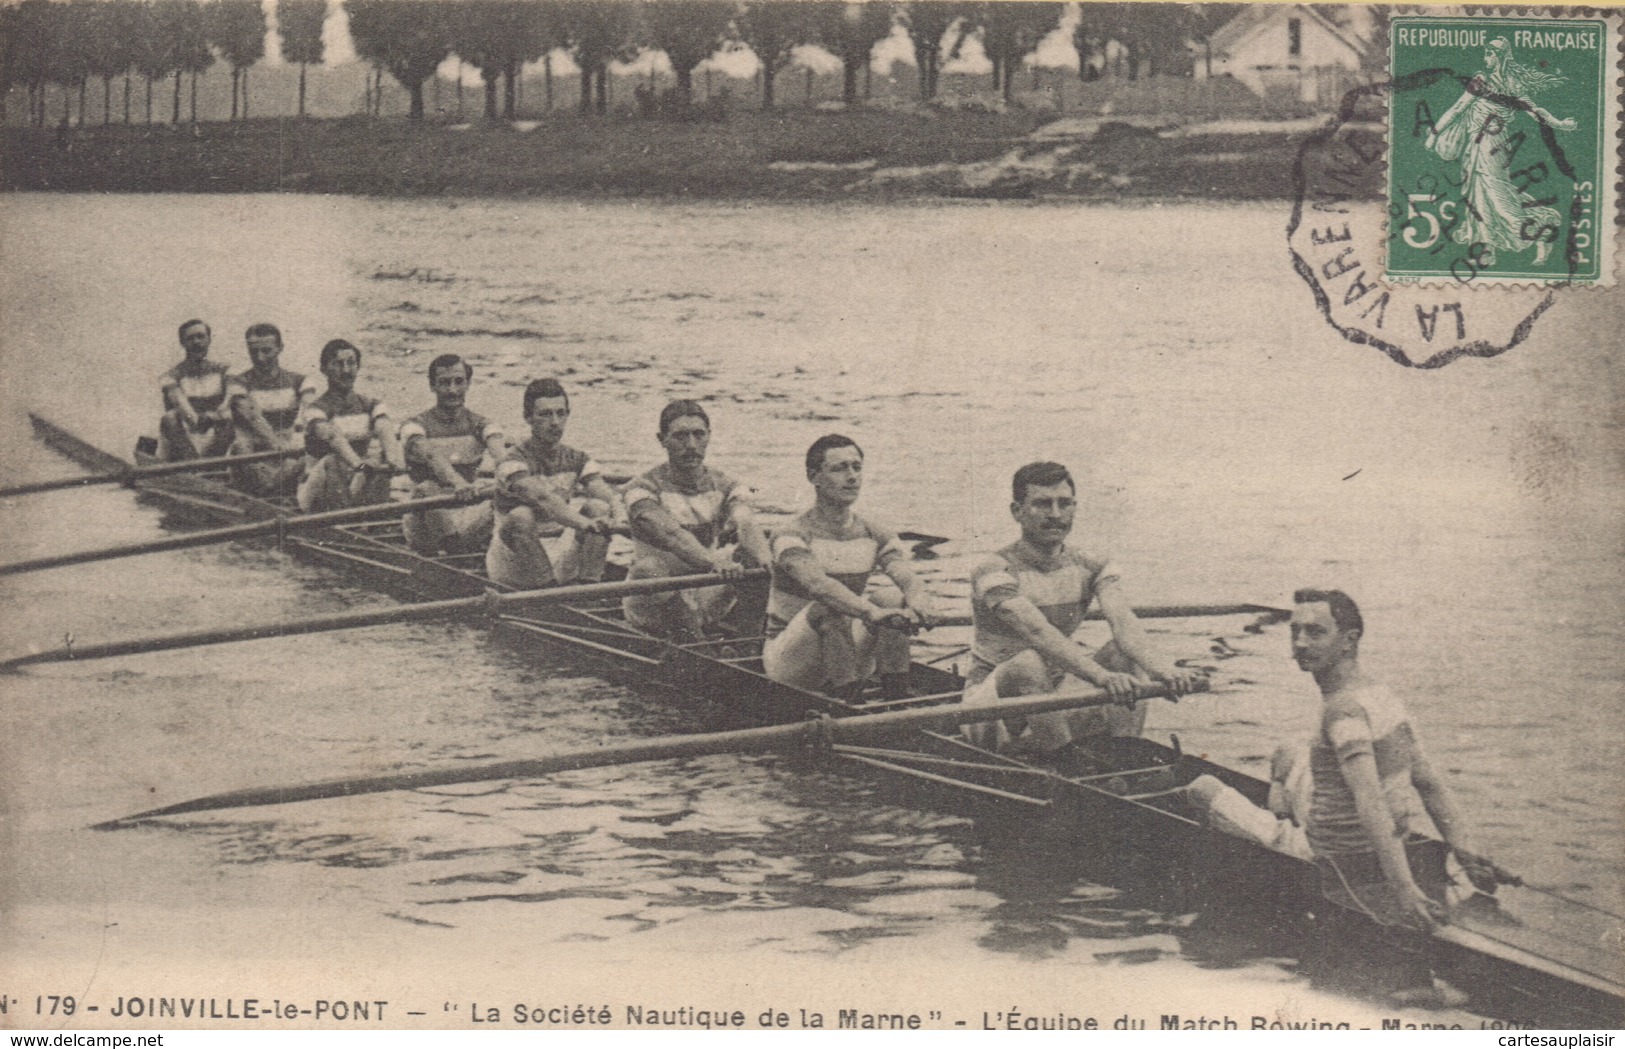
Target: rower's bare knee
(1022,675)
(885,597)
(518,525)
(593,509)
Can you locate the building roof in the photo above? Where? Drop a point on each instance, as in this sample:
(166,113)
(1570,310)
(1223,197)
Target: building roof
(1255,17)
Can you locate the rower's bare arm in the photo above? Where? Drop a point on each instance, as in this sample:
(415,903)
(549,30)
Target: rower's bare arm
(419,450)
(799,564)
(752,540)
(177,399)
(389,440)
(1025,618)
(330,435)
(654,524)
(248,414)
(915,598)
(1130,635)
(1360,773)
(1441,809)
(540,496)
(600,489)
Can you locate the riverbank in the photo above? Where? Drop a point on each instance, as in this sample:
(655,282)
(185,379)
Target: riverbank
(801,154)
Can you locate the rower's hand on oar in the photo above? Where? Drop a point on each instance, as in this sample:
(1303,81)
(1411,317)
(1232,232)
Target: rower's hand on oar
(597,526)
(1423,911)
(724,565)
(1181,681)
(899,619)
(1120,687)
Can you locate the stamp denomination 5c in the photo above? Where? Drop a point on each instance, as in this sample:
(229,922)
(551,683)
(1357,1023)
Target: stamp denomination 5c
(1502,140)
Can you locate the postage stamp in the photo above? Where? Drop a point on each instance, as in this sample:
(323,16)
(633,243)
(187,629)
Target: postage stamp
(1501,150)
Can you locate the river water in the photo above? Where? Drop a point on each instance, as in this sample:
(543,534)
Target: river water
(1229,447)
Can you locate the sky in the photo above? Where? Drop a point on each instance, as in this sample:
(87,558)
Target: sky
(1055,51)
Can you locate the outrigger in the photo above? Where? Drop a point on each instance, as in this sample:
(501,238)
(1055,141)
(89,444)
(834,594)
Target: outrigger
(1526,955)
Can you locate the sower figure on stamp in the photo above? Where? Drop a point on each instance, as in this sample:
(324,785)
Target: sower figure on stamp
(197,419)
(1368,770)
(444,447)
(823,631)
(268,402)
(554,510)
(687,517)
(1475,130)
(1026,602)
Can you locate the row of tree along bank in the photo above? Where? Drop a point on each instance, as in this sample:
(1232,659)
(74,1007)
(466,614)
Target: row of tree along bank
(73,43)
(787,154)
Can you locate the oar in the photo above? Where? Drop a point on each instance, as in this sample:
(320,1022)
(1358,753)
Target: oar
(1154,612)
(142,473)
(267,526)
(859,728)
(413,613)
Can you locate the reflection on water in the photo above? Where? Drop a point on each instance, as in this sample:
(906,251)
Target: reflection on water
(1227,445)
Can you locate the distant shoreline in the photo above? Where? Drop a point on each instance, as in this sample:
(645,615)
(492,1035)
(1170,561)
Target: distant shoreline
(868,154)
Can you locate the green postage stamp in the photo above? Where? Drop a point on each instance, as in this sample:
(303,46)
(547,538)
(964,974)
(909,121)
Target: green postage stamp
(1502,149)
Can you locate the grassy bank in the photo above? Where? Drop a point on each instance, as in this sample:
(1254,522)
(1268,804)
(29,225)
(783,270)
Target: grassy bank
(799,154)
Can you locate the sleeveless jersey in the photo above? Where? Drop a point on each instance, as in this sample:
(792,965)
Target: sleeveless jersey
(278,398)
(205,392)
(705,510)
(850,554)
(1369,720)
(1062,588)
(561,467)
(354,417)
(461,439)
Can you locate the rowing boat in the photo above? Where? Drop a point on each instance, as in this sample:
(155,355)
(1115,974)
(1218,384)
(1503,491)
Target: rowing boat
(1525,956)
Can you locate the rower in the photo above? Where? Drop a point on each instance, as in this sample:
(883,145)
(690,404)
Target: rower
(268,403)
(342,468)
(823,632)
(1368,769)
(196,421)
(685,518)
(554,510)
(1026,602)
(444,447)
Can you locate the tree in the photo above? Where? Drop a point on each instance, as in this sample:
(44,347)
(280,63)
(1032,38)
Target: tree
(108,29)
(498,37)
(850,31)
(192,53)
(74,57)
(237,29)
(34,33)
(773,29)
(151,46)
(299,23)
(1011,32)
(598,32)
(928,22)
(408,40)
(689,31)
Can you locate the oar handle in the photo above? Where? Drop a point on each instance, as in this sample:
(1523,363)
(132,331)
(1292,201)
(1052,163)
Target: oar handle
(1149,612)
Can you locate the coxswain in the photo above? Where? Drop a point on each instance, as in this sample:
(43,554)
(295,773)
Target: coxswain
(554,510)
(1028,599)
(196,420)
(268,403)
(825,631)
(444,448)
(1368,770)
(351,448)
(687,517)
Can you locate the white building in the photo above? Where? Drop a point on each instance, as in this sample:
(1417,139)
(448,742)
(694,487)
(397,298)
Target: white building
(1283,51)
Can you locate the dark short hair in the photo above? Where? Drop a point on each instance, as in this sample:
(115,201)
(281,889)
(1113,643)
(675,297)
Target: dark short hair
(332,349)
(256,331)
(826,443)
(1345,613)
(180,333)
(540,388)
(447,360)
(1042,474)
(677,410)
